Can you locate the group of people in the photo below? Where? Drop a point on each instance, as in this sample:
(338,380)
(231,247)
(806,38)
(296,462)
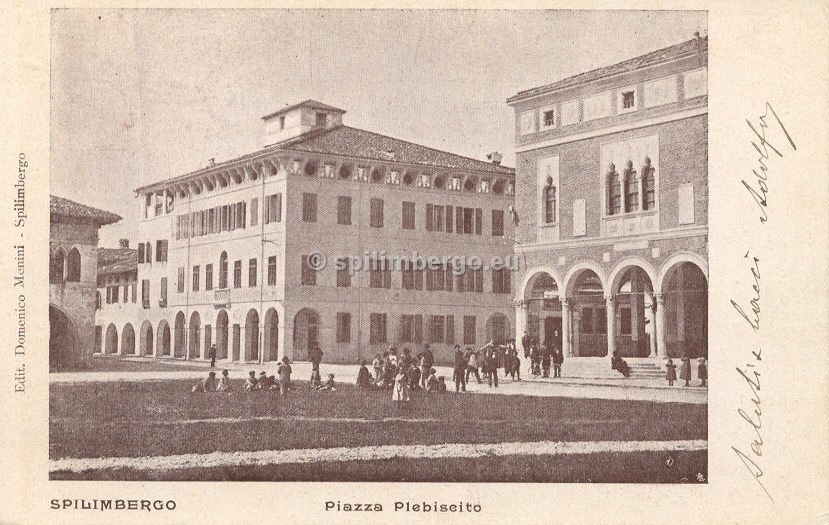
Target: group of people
(280,381)
(402,372)
(685,371)
(541,356)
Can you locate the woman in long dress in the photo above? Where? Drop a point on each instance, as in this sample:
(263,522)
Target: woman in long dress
(400,392)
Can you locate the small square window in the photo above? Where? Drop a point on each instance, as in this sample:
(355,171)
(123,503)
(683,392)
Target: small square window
(549,118)
(627,100)
(282,122)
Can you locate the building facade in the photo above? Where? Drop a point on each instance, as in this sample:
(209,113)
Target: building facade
(612,196)
(73,269)
(227,255)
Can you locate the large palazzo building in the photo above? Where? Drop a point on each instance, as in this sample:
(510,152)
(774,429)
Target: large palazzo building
(224,254)
(612,196)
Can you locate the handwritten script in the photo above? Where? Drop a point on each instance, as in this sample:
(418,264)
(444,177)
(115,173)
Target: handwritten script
(749,311)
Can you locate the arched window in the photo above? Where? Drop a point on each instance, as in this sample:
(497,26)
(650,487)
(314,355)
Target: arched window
(56,267)
(223,270)
(614,192)
(648,186)
(549,202)
(73,266)
(631,188)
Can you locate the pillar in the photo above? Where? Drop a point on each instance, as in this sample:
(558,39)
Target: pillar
(652,319)
(611,324)
(566,335)
(661,348)
(520,322)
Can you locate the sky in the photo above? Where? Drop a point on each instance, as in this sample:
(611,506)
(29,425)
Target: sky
(142,95)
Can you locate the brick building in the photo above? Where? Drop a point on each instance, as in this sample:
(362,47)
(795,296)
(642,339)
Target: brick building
(223,252)
(612,194)
(118,292)
(73,269)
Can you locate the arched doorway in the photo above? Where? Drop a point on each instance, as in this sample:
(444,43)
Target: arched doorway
(252,336)
(73,266)
(544,313)
(111,341)
(306,331)
(178,342)
(146,339)
(221,334)
(56,265)
(685,299)
(588,315)
(634,313)
(128,340)
(61,339)
(195,335)
(497,329)
(163,339)
(270,340)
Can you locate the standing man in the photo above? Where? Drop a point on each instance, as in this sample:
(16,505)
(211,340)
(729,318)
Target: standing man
(427,359)
(526,343)
(459,370)
(316,356)
(546,355)
(212,355)
(558,359)
(284,372)
(471,365)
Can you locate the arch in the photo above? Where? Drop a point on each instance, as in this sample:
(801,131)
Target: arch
(497,328)
(631,188)
(223,270)
(73,266)
(145,343)
(575,272)
(179,336)
(163,338)
(252,336)
(221,334)
(676,259)
(498,187)
(614,191)
(532,276)
(310,168)
(619,269)
(306,331)
(128,340)
(470,183)
(270,339)
(56,266)
(648,186)
(195,335)
(684,300)
(345,172)
(377,174)
(439,182)
(61,338)
(111,341)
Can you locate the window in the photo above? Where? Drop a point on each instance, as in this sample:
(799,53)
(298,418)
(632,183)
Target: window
(273,208)
(648,186)
(145,293)
(308,274)
(252,272)
(376,206)
(344,275)
(208,277)
(627,100)
(501,281)
(254,212)
(631,188)
(73,266)
(237,274)
(377,328)
(282,122)
(409,215)
(550,202)
(161,251)
(468,220)
(437,329)
(497,223)
(474,280)
(548,118)
(614,192)
(148,246)
(450,329)
(162,301)
(97,300)
(625,321)
(223,270)
(180,281)
(469,330)
(309,207)
(343,210)
(411,279)
(450,211)
(134,292)
(140,252)
(272,270)
(343,327)
(322,118)
(379,273)
(407,328)
(196,270)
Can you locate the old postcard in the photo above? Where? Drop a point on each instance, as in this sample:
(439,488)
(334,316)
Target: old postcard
(470,265)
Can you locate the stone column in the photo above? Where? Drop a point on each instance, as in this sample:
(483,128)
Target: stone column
(652,319)
(611,324)
(566,348)
(661,347)
(520,322)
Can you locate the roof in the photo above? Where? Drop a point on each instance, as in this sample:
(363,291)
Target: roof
(68,208)
(354,142)
(117,260)
(676,51)
(315,104)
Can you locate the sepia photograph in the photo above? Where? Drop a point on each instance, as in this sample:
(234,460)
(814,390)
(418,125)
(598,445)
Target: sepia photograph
(378,245)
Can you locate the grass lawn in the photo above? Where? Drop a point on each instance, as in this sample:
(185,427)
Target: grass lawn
(116,363)
(164,418)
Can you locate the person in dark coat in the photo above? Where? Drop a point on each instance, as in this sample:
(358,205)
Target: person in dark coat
(671,372)
(315,355)
(526,343)
(558,360)
(617,363)
(535,360)
(414,377)
(546,355)
(685,371)
(364,379)
(702,371)
(459,370)
(212,355)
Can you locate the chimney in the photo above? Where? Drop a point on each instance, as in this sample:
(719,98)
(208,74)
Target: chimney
(495,158)
(124,243)
(211,161)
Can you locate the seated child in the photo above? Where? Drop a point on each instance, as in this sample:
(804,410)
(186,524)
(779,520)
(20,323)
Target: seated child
(329,383)
(432,381)
(264,381)
(208,384)
(224,382)
(414,378)
(364,378)
(441,384)
(251,383)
